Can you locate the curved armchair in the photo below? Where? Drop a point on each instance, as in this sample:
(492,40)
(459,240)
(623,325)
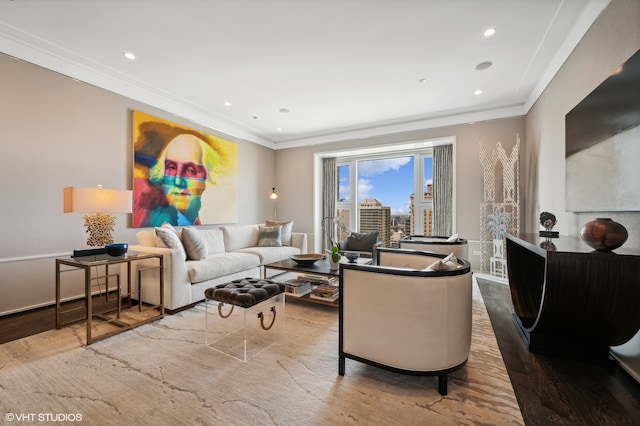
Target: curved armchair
(399,316)
(437,245)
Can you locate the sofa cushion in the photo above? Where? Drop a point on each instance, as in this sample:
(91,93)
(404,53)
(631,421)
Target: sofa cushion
(166,236)
(287,229)
(269,236)
(453,239)
(214,239)
(237,237)
(363,241)
(219,265)
(146,238)
(194,243)
(449,263)
(270,254)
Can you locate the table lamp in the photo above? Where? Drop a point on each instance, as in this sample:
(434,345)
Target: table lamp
(101,203)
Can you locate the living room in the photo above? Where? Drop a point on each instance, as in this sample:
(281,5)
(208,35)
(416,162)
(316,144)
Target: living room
(59,132)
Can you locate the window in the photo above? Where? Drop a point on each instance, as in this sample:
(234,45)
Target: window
(409,175)
(384,197)
(344,183)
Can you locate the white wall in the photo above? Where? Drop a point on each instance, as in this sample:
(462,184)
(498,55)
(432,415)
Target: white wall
(57,132)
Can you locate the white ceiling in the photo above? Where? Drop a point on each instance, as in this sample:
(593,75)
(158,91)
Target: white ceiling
(342,68)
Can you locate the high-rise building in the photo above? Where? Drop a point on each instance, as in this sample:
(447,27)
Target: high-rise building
(427,216)
(375,217)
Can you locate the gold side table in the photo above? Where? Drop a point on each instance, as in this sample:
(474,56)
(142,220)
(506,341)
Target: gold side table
(116,320)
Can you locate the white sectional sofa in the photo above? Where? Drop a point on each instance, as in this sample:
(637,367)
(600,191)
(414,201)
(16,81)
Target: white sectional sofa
(232,252)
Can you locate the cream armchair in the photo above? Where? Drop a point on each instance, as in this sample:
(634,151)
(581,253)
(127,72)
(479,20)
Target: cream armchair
(435,244)
(400,316)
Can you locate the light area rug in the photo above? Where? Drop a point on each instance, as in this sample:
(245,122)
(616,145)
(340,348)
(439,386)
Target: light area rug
(163,374)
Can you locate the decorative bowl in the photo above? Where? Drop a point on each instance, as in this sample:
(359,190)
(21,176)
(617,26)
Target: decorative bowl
(306,259)
(116,249)
(351,256)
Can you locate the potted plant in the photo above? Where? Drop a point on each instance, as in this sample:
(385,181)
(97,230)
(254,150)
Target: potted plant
(334,258)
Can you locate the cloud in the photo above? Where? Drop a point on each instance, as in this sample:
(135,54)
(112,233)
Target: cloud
(344,190)
(402,210)
(364,189)
(372,168)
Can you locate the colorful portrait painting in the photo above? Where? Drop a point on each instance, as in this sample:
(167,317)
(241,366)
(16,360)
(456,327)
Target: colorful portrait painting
(181,176)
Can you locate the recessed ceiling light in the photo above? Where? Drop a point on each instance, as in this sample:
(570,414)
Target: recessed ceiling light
(422,80)
(489,32)
(279,129)
(284,110)
(227,103)
(129,55)
(478,92)
(484,65)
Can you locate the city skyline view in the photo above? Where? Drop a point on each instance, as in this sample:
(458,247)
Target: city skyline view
(390,181)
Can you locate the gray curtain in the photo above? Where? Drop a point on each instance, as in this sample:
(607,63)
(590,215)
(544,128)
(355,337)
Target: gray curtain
(329,196)
(442,190)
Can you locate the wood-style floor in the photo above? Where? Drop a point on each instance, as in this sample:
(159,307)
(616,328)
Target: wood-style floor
(550,391)
(556,391)
(36,321)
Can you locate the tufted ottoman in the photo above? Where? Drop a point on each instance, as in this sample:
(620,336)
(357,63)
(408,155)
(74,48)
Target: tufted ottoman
(237,311)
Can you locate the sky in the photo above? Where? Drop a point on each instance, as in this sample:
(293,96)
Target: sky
(390,181)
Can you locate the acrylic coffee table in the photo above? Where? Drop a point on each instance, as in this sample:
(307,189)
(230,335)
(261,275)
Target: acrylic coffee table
(320,268)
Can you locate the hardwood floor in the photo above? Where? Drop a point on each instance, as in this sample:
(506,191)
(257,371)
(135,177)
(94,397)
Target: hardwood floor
(549,390)
(36,321)
(558,391)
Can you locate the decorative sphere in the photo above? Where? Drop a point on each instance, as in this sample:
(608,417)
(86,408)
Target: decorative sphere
(603,234)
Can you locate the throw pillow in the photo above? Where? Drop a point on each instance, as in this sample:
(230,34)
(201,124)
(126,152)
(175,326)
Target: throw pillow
(453,239)
(194,243)
(287,228)
(449,263)
(270,236)
(362,241)
(167,237)
(146,238)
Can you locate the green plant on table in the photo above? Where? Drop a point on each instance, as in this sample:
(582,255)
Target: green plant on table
(335,256)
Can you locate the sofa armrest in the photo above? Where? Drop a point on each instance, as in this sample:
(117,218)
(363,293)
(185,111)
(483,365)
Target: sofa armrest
(177,284)
(299,240)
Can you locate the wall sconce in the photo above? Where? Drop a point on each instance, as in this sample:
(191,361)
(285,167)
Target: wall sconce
(274,197)
(101,203)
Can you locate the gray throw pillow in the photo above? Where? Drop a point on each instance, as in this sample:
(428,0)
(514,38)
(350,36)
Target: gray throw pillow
(194,243)
(287,228)
(270,236)
(362,241)
(167,237)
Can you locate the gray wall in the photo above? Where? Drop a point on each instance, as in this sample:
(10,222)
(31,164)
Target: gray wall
(295,167)
(612,39)
(57,132)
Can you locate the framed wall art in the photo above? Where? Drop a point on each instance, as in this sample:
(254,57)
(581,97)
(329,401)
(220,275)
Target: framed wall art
(181,176)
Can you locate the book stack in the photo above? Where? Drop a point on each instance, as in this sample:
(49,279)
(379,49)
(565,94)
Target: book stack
(318,279)
(297,287)
(327,292)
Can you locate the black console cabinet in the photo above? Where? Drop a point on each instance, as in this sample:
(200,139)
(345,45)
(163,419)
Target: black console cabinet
(570,300)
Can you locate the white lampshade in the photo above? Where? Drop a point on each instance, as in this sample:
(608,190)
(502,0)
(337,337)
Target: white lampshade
(97,200)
